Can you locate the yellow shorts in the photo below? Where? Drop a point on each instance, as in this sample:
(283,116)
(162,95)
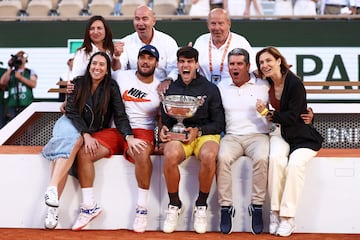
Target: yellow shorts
(194,147)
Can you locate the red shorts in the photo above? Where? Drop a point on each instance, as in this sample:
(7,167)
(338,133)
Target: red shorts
(114,141)
(143,134)
(111,139)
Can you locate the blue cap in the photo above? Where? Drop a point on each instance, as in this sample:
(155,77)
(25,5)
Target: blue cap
(150,49)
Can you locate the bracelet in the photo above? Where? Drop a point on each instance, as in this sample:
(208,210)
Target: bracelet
(264,112)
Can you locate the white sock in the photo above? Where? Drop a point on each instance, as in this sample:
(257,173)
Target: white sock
(88,196)
(142,197)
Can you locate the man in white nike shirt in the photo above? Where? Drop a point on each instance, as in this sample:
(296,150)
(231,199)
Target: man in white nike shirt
(141,100)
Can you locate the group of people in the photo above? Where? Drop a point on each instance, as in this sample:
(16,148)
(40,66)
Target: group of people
(18,81)
(114,104)
(234,7)
(281,7)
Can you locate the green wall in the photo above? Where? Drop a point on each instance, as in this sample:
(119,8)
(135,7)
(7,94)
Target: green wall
(284,33)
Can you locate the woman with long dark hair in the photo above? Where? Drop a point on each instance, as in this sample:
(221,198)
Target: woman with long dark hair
(95,101)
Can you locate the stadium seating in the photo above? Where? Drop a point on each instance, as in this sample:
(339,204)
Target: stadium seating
(71,8)
(40,7)
(165,7)
(128,6)
(101,7)
(10,8)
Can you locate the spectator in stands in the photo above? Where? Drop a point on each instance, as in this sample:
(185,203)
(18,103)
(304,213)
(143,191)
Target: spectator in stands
(246,134)
(214,46)
(305,7)
(218,4)
(2,100)
(97,37)
(355,6)
(144,22)
(89,109)
(292,145)
(20,82)
(142,111)
(203,139)
(283,8)
(199,8)
(335,7)
(67,76)
(257,7)
(246,8)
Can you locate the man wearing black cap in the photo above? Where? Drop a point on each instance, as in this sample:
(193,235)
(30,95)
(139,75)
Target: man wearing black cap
(203,138)
(142,102)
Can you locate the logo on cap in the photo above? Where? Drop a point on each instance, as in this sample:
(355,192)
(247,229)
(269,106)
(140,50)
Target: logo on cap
(150,49)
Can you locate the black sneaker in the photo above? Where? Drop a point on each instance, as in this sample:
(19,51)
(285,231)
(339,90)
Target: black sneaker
(255,212)
(227,214)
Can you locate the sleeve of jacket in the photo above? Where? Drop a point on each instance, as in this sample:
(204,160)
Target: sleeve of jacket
(216,123)
(72,110)
(120,118)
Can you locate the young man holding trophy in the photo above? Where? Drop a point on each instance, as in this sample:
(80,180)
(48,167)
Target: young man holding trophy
(194,105)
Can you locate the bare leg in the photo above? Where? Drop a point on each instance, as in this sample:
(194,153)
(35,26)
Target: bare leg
(86,168)
(62,166)
(143,167)
(173,155)
(257,7)
(207,157)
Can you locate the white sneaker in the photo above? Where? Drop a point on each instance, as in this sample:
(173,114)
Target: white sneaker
(51,219)
(140,222)
(87,213)
(200,219)
(172,217)
(274,222)
(286,227)
(51,197)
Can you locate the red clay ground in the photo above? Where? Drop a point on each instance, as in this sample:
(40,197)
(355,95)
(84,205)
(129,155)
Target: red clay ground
(41,234)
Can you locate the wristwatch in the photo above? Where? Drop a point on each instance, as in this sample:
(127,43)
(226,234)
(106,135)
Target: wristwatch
(199,132)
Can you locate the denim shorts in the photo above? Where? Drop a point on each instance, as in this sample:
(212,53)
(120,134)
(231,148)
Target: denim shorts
(65,135)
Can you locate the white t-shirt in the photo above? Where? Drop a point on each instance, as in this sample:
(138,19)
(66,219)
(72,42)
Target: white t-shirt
(239,104)
(218,55)
(141,99)
(66,76)
(166,46)
(81,60)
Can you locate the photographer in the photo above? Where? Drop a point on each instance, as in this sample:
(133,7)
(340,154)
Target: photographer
(2,100)
(19,81)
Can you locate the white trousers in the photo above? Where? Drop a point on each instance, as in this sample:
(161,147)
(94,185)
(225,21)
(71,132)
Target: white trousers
(286,175)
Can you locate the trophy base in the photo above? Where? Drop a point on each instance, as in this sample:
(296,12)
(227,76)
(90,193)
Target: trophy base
(177,136)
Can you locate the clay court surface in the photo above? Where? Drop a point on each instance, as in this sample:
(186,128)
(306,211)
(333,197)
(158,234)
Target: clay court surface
(41,234)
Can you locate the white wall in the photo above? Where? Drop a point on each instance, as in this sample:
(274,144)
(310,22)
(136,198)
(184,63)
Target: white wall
(329,203)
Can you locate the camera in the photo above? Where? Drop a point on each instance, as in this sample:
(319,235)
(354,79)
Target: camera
(15,61)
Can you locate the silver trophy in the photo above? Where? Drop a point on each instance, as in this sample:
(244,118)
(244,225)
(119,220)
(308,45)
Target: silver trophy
(180,107)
